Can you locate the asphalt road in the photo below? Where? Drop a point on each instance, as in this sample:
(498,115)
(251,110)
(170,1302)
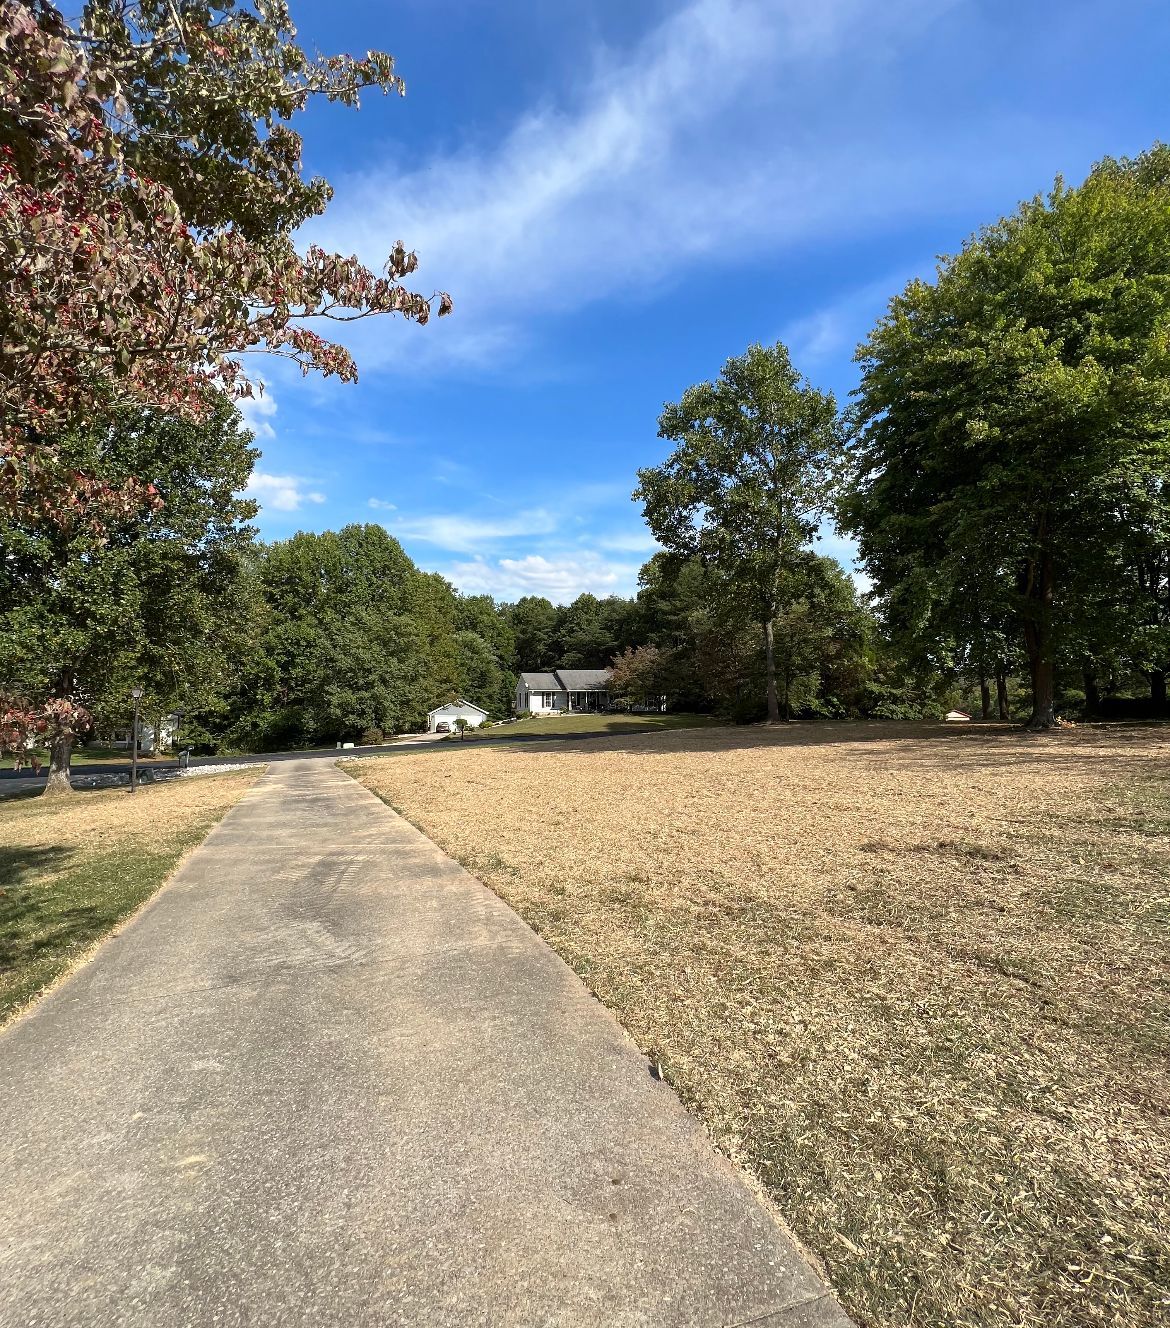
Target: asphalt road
(327,1078)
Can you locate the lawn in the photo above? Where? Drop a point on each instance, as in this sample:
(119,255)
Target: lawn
(916,978)
(91,756)
(585,725)
(72,868)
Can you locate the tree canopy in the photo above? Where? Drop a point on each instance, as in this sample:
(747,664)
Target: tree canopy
(754,472)
(1014,421)
(153,600)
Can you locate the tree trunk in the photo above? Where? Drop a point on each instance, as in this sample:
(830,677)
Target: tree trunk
(156,738)
(1038,642)
(984,696)
(1092,693)
(770,655)
(60,753)
(1043,714)
(1001,695)
(1158,690)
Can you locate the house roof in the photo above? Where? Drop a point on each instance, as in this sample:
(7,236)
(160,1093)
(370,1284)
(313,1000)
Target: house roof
(541,682)
(568,680)
(584,680)
(447,705)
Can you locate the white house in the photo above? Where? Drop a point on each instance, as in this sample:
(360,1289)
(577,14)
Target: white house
(170,727)
(563,690)
(455,710)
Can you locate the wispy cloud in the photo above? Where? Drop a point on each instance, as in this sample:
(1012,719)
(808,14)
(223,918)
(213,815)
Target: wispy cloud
(560,579)
(628,542)
(735,127)
(380,505)
(832,332)
(469,534)
(282,493)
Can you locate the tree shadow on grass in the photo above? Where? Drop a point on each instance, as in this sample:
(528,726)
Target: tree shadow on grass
(21,866)
(877,745)
(31,919)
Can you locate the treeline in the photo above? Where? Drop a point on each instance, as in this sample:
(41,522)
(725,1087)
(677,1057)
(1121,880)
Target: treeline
(684,639)
(339,636)
(1005,468)
(346,639)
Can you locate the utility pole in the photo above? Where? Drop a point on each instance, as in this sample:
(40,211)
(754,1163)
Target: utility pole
(136,693)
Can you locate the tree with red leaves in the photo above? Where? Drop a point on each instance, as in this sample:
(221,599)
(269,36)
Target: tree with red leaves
(150,189)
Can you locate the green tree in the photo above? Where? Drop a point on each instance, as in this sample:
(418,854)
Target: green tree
(481,680)
(588,631)
(1010,412)
(534,621)
(819,637)
(753,473)
(354,638)
(154,600)
(488,620)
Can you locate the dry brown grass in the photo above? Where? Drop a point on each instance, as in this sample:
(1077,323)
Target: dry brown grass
(72,868)
(916,979)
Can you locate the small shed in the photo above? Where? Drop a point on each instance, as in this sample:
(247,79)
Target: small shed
(455,710)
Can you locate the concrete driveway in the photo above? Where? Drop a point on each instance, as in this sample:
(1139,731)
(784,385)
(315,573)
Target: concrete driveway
(327,1078)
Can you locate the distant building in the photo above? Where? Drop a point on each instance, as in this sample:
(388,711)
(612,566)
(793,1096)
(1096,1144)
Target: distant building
(146,743)
(453,711)
(562,691)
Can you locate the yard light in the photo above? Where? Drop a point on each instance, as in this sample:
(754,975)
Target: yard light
(136,693)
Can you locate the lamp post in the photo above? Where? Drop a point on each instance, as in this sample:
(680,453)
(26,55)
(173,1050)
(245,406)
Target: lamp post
(136,693)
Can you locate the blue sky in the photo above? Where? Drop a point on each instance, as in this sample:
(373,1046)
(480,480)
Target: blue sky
(619,196)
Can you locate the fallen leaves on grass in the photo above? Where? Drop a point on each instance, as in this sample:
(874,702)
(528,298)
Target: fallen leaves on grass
(917,979)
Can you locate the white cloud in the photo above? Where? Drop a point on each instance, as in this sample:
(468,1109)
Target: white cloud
(257,411)
(468,534)
(283,493)
(737,126)
(382,506)
(560,579)
(832,332)
(631,542)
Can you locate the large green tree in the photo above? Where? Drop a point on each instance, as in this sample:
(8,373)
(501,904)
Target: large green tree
(533,620)
(1012,412)
(753,473)
(153,600)
(350,636)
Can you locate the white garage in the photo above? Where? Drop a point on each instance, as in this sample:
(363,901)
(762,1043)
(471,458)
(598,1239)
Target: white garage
(452,711)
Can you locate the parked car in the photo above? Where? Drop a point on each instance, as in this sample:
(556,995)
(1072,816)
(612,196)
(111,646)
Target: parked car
(442,727)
